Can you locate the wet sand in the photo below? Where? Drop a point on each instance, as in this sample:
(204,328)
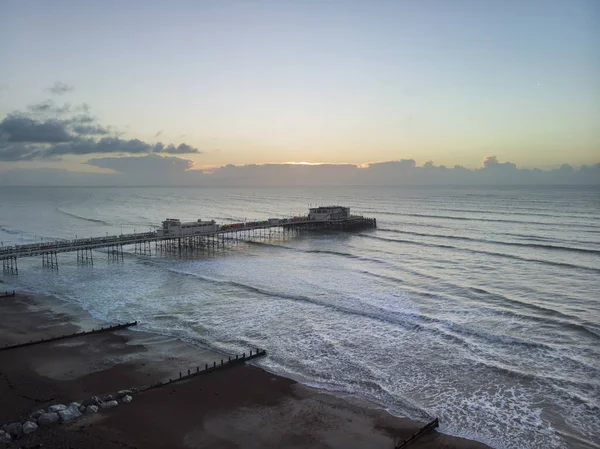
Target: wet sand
(239,407)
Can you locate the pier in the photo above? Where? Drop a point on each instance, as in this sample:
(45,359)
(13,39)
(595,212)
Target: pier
(180,239)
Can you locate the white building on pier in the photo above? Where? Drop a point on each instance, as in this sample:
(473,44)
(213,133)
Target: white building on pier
(326,213)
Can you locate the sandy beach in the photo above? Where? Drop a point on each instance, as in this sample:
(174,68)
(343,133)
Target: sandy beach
(238,407)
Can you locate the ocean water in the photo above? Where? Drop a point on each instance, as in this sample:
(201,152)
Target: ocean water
(480,306)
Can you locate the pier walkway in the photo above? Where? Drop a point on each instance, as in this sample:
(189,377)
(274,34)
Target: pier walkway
(172,243)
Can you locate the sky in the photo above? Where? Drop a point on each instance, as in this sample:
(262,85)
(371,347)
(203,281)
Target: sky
(255,82)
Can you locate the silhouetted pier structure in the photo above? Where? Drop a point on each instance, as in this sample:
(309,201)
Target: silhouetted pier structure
(166,241)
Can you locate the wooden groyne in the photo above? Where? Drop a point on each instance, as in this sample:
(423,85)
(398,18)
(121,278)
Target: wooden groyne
(73,335)
(426,428)
(209,368)
(8,294)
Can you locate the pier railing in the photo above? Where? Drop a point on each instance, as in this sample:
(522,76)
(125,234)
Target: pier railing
(60,246)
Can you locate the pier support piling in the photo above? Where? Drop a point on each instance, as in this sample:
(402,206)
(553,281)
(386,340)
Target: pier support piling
(115,253)
(9,265)
(85,257)
(50,260)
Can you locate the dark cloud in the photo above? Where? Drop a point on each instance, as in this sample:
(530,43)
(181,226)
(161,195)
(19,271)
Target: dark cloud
(49,108)
(104,145)
(159,133)
(60,88)
(172,149)
(14,152)
(180,149)
(51,131)
(91,130)
(16,128)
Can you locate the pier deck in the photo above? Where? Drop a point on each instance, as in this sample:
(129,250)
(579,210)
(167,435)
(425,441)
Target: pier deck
(114,244)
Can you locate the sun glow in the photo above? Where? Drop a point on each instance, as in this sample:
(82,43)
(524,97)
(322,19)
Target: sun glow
(302,163)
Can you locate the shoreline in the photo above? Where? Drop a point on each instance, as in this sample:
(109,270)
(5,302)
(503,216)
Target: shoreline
(244,399)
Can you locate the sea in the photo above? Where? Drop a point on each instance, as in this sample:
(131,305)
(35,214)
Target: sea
(476,305)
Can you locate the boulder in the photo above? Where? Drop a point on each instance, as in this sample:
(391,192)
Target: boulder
(69,414)
(37,413)
(127,399)
(91,409)
(74,404)
(29,427)
(108,404)
(94,400)
(106,398)
(5,437)
(82,409)
(123,393)
(15,430)
(57,408)
(48,418)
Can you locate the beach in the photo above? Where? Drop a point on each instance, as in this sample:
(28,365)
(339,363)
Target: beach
(241,406)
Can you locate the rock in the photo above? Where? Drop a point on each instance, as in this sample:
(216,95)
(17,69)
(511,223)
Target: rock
(74,404)
(106,398)
(37,413)
(109,404)
(82,409)
(3,428)
(94,400)
(69,414)
(5,437)
(15,430)
(127,399)
(123,393)
(48,418)
(57,408)
(91,409)
(29,427)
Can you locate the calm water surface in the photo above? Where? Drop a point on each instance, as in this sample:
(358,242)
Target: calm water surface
(477,305)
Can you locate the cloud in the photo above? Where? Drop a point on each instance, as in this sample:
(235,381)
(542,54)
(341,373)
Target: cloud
(152,164)
(91,130)
(60,88)
(51,131)
(398,173)
(492,163)
(154,169)
(14,152)
(158,134)
(16,128)
(182,148)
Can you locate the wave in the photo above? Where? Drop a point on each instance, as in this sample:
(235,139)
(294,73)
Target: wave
(317,251)
(489,253)
(512,212)
(492,220)
(9,231)
(418,322)
(79,217)
(565,322)
(514,372)
(565,319)
(230,219)
(463,291)
(496,242)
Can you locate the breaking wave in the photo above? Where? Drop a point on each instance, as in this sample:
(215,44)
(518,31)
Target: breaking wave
(79,217)
(489,253)
(496,242)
